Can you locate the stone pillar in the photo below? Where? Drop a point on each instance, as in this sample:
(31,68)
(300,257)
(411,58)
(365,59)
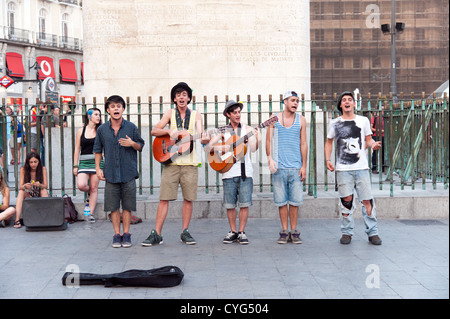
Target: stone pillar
(143,48)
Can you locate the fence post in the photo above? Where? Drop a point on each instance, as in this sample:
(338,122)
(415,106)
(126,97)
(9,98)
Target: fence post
(150,148)
(139,153)
(312,187)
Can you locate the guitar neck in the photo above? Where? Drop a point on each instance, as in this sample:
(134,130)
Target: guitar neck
(199,135)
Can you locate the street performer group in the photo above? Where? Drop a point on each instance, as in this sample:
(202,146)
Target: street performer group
(179,140)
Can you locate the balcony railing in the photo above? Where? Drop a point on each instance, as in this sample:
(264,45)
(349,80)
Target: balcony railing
(47,39)
(41,39)
(15,34)
(69,43)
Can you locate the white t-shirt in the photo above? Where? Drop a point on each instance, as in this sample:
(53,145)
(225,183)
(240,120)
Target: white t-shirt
(350,136)
(235,170)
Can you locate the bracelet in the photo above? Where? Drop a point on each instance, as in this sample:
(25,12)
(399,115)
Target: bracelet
(328,161)
(75,166)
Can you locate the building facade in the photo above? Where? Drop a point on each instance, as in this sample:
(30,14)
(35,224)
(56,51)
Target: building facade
(349,50)
(41,49)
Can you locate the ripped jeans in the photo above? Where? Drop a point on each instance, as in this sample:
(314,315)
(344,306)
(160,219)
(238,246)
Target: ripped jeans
(348,181)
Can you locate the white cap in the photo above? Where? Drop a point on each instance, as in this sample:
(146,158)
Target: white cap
(289,94)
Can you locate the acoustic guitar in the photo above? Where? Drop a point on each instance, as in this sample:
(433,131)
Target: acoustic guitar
(222,162)
(166,150)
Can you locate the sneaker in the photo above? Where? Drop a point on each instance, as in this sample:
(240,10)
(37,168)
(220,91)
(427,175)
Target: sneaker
(117,241)
(152,239)
(126,240)
(375,240)
(284,237)
(242,238)
(346,239)
(295,237)
(230,237)
(187,238)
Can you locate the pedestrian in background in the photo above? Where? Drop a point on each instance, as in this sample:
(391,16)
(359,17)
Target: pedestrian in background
(84,161)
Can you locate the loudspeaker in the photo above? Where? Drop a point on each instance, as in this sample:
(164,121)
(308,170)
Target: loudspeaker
(44,213)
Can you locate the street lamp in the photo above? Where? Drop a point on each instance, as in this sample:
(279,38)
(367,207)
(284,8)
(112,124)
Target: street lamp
(397,28)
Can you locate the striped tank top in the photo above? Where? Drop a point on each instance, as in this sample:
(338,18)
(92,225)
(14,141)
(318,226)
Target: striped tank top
(286,148)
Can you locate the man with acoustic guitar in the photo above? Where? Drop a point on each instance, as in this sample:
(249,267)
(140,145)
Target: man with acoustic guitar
(237,179)
(287,153)
(182,167)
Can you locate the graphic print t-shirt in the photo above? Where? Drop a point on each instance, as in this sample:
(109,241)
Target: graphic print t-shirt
(350,136)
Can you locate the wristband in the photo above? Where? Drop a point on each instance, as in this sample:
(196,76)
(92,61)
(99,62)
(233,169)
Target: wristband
(75,166)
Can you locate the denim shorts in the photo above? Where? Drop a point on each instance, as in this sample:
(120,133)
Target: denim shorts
(348,181)
(120,192)
(287,187)
(236,190)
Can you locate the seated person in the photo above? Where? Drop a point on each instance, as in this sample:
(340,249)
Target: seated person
(6,212)
(32,183)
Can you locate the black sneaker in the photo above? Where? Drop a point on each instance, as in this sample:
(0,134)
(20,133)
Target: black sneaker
(117,241)
(242,238)
(230,237)
(126,240)
(187,238)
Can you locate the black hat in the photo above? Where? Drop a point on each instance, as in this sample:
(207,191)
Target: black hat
(229,104)
(340,99)
(184,86)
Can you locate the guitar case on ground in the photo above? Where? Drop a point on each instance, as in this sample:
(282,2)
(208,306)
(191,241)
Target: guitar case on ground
(163,277)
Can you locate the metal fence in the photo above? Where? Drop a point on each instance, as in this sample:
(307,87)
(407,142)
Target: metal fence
(415,142)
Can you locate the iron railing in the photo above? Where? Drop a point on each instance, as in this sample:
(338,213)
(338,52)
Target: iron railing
(416,141)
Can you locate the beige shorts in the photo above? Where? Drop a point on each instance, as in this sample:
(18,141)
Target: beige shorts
(174,175)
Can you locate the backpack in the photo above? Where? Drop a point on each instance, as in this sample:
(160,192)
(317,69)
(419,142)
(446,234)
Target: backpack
(70,212)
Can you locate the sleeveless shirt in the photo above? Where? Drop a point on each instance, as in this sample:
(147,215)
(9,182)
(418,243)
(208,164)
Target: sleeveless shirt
(191,158)
(286,151)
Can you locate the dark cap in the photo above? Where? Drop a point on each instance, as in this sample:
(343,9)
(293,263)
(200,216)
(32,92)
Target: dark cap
(185,87)
(230,104)
(340,99)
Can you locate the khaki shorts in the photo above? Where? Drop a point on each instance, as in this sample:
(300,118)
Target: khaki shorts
(174,175)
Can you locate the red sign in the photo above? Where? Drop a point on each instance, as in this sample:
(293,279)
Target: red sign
(6,81)
(67,99)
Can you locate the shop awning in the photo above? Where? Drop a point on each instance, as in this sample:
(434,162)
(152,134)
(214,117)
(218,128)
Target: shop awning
(46,67)
(68,71)
(15,65)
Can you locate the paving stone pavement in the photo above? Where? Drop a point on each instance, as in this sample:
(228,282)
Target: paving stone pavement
(413,261)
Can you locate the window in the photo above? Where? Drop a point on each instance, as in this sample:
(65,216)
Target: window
(338,35)
(65,28)
(420,61)
(356,34)
(376,62)
(338,64)
(42,16)
(420,34)
(11,12)
(319,35)
(318,63)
